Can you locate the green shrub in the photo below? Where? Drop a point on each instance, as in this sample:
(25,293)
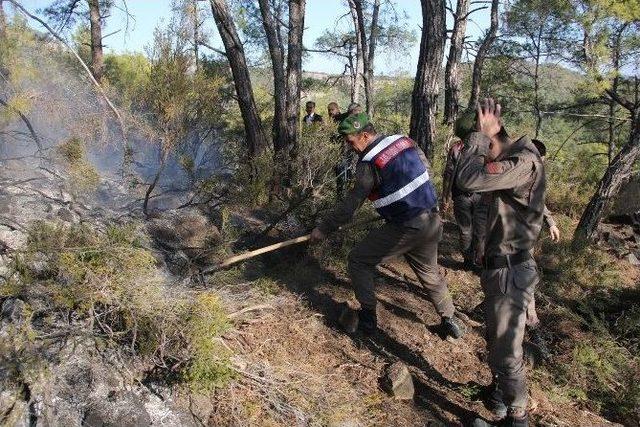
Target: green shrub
(83,175)
(209,366)
(604,376)
(600,365)
(110,279)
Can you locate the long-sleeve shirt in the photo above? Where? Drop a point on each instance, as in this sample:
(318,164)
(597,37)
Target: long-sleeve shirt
(449,187)
(514,186)
(365,181)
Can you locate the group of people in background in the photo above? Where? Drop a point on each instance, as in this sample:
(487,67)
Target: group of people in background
(497,186)
(343,168)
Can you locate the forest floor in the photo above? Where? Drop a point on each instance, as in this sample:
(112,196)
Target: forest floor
(304,369)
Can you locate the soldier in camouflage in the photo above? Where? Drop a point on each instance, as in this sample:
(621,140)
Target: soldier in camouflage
(512,176)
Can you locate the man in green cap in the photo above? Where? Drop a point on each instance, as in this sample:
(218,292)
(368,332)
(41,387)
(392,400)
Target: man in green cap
(465,203)
(512,176)
(393,172)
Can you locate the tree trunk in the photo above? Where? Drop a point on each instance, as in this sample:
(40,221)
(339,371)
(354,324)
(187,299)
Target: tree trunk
(256,139)
(614,177)
(196,34)
(355,8)
(452,70)
(425,89)
(294,73)
(97,62)
(536,80)
(481,55)
(269,22)
(373,38)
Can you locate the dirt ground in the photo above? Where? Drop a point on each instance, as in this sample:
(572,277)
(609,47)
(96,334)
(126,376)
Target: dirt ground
(300,368)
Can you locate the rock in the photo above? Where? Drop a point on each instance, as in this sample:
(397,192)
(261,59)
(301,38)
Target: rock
(120,410)
(633,260)
(627,202)
(65,215)
(12,239)
(39,265)
(618,247)
(348,319)
(13,310)
(397,381)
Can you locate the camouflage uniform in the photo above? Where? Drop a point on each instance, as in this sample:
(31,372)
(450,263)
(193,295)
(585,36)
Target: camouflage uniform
(464,204)
(513,187)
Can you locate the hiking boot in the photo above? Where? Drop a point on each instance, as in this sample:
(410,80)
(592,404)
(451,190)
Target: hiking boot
(367,321)
(492,399)
(509,421)
(451,328)
(468,264)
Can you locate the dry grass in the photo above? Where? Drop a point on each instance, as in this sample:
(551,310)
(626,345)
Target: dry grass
(293,370)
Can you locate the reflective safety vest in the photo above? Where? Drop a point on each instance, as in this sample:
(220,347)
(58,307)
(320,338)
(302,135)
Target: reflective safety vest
(403,189)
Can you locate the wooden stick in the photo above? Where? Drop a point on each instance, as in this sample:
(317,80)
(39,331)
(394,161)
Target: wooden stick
(242,257)
(236,259)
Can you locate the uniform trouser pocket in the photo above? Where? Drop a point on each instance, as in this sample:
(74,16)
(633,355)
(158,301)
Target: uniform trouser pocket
(508,292)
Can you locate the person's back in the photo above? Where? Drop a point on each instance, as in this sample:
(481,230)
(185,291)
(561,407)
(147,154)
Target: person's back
(517,184)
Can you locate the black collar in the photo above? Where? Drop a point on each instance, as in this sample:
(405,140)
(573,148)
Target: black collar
(370,146)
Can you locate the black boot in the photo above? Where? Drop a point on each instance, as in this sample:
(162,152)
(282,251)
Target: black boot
(508,421)
(493,400)
(451,328)
(367,321)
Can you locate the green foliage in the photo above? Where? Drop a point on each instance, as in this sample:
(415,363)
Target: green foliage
(209,366)
(601,369)
(128,74)
(604,376)
(17,70)
(83,175)
(111,279)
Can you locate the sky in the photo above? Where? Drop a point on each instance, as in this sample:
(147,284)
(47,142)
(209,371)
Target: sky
(320,15)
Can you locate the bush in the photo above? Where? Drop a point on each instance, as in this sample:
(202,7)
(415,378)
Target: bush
(108,281)
(83,175)
(596,329)
(209,366)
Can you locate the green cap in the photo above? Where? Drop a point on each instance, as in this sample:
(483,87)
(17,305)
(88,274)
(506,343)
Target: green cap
(465,124)
(353,123)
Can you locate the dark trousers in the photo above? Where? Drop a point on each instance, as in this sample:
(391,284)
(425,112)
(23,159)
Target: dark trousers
(417,241)
(464,207)
(508,294)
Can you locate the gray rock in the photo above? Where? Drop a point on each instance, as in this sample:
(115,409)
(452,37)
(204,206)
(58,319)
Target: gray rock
(12,239)
(633,260)
(397,381)
(13,310)
(121,410)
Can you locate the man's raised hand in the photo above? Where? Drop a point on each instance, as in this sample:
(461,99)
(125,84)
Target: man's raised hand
(489,121)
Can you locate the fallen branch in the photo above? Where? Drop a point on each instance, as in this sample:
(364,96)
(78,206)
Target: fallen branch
(249,309)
